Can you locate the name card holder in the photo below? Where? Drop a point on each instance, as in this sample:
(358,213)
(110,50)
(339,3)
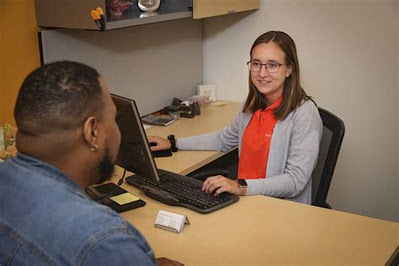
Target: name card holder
(171,221)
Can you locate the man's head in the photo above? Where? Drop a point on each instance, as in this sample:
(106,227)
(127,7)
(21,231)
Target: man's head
(64,112)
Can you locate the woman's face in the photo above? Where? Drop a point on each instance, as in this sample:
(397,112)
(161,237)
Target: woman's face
(271,85)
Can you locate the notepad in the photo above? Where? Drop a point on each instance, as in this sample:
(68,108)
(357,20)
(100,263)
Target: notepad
(124,198)
(171,221)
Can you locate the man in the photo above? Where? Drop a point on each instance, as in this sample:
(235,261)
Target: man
(67,139)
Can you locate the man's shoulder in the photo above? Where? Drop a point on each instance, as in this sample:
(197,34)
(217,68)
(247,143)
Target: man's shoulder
(98,231)
(70,220)
(89,235)
(51,215)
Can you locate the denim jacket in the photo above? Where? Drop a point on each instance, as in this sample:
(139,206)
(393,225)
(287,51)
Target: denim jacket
(46,219)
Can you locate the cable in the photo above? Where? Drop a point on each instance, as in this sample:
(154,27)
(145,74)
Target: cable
(120,182)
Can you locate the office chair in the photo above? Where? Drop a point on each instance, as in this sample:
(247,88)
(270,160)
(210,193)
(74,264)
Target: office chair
(330,145)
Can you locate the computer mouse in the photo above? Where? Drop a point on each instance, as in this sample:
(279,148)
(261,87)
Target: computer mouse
(161,153)
(152,144)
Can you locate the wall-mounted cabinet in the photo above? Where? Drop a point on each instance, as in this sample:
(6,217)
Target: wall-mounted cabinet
(210,8)
(76,14)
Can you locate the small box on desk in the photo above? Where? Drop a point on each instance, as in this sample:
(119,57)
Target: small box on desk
(115,197)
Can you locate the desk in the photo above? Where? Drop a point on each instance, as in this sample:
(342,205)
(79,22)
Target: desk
(212,118)
(257,230)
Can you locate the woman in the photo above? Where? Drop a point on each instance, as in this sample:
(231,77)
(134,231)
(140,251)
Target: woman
(278,129)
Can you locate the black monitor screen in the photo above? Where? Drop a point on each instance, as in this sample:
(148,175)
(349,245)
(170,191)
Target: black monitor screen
(134,152)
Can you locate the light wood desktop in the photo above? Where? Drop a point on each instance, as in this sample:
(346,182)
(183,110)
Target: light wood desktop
(213,117)
(257,230)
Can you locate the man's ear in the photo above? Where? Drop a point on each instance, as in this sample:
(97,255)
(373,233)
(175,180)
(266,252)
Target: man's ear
(90,131)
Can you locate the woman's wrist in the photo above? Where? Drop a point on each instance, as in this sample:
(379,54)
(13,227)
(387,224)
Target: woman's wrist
(242,186)
(239,191)
(172,141)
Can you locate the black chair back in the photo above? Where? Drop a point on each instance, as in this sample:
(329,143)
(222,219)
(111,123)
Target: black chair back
(333,134)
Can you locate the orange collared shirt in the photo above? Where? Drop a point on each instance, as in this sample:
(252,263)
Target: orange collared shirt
(256,143)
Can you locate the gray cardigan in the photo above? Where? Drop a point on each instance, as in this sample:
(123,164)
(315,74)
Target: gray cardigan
(292,157)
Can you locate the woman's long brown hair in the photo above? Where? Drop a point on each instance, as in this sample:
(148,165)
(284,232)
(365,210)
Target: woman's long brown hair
(293,93)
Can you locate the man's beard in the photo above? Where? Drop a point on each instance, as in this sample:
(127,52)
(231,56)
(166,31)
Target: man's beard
(105,167)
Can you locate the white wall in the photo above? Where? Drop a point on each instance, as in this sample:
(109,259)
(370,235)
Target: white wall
(348,51)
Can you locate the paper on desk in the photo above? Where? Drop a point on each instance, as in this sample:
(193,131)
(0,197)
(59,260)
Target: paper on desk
(124,198)
(171,221)
(219,103)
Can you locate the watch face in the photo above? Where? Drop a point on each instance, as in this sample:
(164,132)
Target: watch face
(242,182)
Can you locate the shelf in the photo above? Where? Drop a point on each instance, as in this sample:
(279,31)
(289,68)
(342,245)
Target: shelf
(76,14)
(116,23)
(134,16)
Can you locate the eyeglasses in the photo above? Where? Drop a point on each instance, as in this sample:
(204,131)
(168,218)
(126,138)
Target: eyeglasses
(271,67)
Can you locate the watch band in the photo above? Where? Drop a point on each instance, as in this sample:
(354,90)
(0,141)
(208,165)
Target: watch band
(172,141)
(242,187)
(243,191)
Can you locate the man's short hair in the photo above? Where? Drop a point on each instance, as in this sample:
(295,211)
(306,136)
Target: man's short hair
(58,96)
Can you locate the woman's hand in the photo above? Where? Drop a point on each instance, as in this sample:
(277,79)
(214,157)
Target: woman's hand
(160,143)
(219,184)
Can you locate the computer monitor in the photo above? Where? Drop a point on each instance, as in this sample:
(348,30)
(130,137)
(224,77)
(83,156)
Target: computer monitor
(135,155)
(134,151)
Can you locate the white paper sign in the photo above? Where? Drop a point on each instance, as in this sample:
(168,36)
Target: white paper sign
(171,221)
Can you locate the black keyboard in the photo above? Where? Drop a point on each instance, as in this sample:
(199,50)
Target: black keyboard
(181,191)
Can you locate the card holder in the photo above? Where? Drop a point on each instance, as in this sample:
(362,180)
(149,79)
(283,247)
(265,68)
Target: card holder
(115,197)
(171,221)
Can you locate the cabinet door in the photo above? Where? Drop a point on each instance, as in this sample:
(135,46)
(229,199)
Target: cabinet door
(210,8)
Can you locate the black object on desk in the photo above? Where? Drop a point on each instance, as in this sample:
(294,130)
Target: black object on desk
(103,193)
(162,153)
(185,111)
(157,120)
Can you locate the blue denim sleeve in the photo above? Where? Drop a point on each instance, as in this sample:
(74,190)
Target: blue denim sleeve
(119,249)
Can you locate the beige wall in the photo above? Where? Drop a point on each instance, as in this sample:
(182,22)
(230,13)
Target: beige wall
(348,51)
(127,62)
(19,51)
(397,92)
